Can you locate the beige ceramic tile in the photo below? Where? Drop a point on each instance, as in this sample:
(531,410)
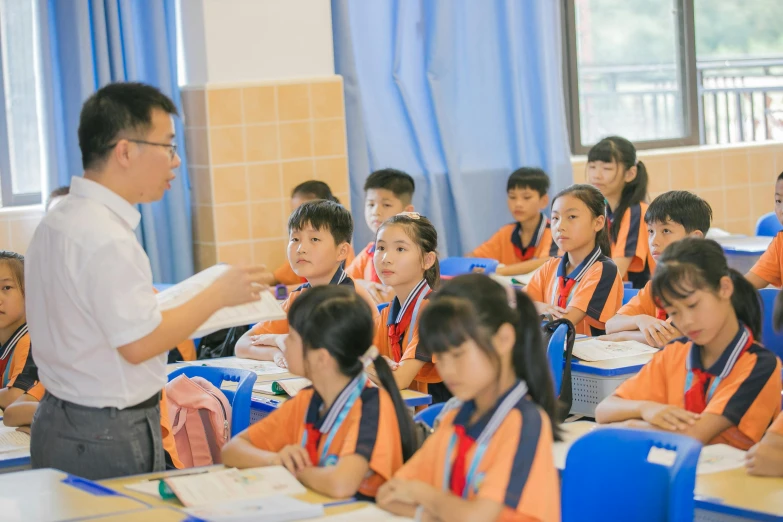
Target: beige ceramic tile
(735,169)
(203,224)
(327,99)
(329,137)
(262,143)
(683,172)
(345,200)
(224,107)
(296,140)
(762,199)
(205,255)
(293,101)
(658,173)
(265,181)
(761,167)
(232,223)
(709,170)
(271,253)
(738,206)
(235,253)
(230,184)
(197,146)
(334,172)
(579,172)
(259,104)
(226,145)
(715,197)
(296,172)
(266,220)
(194,107)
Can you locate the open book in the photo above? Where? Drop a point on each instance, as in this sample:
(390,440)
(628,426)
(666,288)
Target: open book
(594,350)
(265,309)
(290,386)
(270,509)
(12,441)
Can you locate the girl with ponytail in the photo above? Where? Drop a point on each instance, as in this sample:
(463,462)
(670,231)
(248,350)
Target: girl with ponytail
(717,384)
(584,285)
(491,458)
(342,437)
(406,260)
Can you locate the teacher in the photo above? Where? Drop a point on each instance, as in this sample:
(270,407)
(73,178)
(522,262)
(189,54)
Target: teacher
(100,337)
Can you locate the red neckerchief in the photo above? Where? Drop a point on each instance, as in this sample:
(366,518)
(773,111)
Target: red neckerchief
(371,252)
(313,438)
(397,330)
(458,471)
(564,286)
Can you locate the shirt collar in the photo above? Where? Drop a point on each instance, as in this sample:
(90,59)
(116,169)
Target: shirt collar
(579,272)
(535,239)
(89,189)
(11,342)
(727,359)
(490,421)
(339,278)
(396,311)
(325,422)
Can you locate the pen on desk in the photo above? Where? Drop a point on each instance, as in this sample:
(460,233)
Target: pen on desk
(340,502)
(517,282)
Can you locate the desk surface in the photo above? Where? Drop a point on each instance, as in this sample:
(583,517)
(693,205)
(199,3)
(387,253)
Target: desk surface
(620,366)
(751,245)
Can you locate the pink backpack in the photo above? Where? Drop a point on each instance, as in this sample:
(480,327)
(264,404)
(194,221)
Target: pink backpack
(200,417)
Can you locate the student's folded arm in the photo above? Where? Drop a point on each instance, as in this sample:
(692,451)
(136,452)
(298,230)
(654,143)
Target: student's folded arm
(756,281)
(9,395)
(239,452)
(446,506)
(406,372)
(339,481)
(574,315)
(707,427)
(623,263)
(246,350)
(524,267)
(622,323)
(625,336)
(616,409)
(21,412)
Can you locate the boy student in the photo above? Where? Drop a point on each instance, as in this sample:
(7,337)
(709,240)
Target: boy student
(319,232)
(99,336)
(768,270)
(671,217)
(526,244)
(387,192)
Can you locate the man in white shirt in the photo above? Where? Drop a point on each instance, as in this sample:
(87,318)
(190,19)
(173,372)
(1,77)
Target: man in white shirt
(100,338)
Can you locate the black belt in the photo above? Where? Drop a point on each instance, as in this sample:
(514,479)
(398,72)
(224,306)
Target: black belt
(143,405)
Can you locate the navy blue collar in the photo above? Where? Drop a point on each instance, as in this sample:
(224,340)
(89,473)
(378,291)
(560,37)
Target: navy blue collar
(339,278)
(538,233)
(579,272)
(396,311)
(480,426)
(723,366)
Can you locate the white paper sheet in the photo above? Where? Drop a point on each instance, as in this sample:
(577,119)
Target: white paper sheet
(594,350)
(148,487)
(270,509)
(719,457)
(517,280)
(258,367)
(265,309)
(13,441)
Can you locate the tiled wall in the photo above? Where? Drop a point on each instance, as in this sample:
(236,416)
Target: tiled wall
(738,180)
(17,226)
(247,147)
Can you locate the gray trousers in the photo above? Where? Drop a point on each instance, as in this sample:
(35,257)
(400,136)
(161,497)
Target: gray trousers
(96,443)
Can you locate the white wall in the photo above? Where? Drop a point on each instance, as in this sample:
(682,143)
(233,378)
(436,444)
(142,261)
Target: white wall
(237,41)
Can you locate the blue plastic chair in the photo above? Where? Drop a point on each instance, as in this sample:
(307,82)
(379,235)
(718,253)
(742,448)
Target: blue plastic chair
(628,294)
(454,266)
(622,484)
(768,225)
(555,352)
(769,337)
(239,399)
(382,306)
(429,414)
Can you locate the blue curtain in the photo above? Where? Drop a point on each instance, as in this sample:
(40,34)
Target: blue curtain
(458,93)
(87,44)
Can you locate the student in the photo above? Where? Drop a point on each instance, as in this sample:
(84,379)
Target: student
(387,192)
(406,260)
(302,193)
(490,459)
(768,270)
(526,244)
(319,232)
(670,217)
(56,196)
(613,169)
(584,285)
(342,436)
(14,338)
(717,385)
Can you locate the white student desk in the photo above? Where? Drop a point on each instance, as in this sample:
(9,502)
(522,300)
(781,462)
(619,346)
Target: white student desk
(727,496)
(592,382)
(742,252)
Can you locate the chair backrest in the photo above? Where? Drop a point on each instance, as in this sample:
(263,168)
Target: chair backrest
(239,399)
(454,266)
(429,414)
(768,225)
(628,294)
(623,484)
(769,337)
(555,352)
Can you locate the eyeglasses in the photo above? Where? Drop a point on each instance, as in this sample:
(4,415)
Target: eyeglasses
(171,146)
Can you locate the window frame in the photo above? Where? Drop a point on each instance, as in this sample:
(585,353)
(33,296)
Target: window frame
(686,39)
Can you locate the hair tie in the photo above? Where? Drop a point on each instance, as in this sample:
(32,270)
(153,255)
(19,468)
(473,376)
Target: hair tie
(369,356)
(412,215)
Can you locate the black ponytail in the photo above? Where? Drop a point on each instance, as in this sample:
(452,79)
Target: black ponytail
(699,264)
(423,233)
(474,307)
(777,318)
(596,203)
(335,318)
(615,149)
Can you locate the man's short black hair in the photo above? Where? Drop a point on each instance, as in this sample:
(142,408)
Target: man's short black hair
(529,178)
(682,207)
(398,182)
(114,109)
(323,214)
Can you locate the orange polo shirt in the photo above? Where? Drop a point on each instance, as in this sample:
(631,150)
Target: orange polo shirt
(769,267)
(506,244)
(632,242)
(640,304)
(16,352)
(362,266)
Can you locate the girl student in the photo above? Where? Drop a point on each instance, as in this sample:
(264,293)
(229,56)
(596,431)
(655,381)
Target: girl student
(492,456)
(613,169)
(406,261)
(584,285)
(717,385)
(342,436)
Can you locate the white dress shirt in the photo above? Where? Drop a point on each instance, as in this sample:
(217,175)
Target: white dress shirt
(88,286)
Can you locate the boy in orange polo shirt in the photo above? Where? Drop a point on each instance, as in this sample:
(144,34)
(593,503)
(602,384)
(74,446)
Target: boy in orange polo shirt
(526,244)
(768,270)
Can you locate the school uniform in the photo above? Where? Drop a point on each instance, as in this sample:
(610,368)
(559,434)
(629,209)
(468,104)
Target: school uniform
(506,244)
(743,385)
(632,242)
(88,292)
(769,267)
(280,326)
(594,287)
(643,304)
(777,426)
(397,337)
(505,456)
(285,275)
(362,421)
(13,357)
(362,267)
